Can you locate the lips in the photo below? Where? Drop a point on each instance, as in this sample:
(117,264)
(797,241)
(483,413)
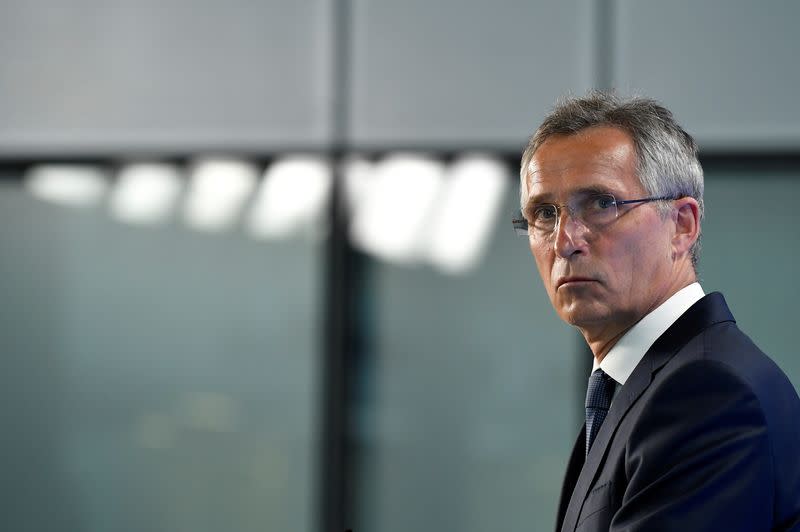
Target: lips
(572,279)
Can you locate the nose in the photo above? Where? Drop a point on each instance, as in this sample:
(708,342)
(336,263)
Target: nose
(569,235)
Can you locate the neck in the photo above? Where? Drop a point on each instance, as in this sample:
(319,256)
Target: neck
(601,345)
(601,339)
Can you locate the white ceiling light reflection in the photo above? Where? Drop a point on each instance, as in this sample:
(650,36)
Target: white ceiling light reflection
(67,184)
(217,190)
(470,204)
(391,218)
(292,196)
(145,193)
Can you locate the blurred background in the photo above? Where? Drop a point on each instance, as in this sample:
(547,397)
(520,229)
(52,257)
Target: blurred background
(258,271)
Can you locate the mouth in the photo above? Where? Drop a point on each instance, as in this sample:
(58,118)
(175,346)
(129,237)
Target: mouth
(573,281)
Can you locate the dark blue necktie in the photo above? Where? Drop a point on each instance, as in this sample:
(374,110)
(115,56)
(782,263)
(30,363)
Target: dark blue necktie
(598,399)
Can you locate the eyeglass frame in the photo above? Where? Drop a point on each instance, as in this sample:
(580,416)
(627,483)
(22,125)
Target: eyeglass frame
(521,226)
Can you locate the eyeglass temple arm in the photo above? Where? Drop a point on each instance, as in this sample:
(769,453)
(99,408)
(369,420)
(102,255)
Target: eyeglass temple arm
(643,200)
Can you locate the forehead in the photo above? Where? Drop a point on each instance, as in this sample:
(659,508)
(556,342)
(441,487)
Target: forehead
(599,157)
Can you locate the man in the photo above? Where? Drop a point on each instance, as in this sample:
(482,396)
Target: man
(689,426)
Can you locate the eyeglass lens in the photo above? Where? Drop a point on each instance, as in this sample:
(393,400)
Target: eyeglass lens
(592,210)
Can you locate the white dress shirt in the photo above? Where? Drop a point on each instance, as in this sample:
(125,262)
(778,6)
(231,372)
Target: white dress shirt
(621,360)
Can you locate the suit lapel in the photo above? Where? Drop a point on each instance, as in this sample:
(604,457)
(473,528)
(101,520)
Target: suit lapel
(707,311)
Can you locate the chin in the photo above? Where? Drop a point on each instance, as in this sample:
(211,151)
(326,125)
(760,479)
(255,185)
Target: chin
(581,315)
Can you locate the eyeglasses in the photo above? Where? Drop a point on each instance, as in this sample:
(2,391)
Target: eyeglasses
(592,210)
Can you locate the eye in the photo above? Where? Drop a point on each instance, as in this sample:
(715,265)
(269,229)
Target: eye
(544,213)
(599,209)
(601,202)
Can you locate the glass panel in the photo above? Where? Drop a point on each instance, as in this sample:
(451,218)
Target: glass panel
(153,378)
(751,248)
(473,407)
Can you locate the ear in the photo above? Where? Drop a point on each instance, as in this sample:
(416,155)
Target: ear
(686,216)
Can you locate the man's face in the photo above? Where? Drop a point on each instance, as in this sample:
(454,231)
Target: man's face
(601,280)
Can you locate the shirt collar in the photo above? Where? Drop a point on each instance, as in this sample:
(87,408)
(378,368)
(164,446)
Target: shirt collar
(621,360)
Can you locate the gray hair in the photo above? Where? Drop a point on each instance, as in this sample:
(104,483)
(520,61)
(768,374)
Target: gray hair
(667,164)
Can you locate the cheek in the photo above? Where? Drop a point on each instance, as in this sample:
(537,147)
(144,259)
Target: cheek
(640,262)
(626,263)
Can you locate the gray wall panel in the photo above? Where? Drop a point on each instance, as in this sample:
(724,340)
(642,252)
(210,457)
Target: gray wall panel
(153,75)
(452,72)
(728,69)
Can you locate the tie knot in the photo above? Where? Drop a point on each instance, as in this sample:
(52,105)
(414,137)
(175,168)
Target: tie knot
(600,390)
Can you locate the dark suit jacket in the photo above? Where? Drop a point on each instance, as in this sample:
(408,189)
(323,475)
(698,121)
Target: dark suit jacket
(704,436)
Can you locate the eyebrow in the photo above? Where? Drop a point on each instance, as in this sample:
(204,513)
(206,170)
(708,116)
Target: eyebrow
(547,197)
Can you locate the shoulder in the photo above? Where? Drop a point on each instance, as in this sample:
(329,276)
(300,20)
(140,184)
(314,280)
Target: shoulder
(723,363)
(720,391)
(722,359)
(699,431)
(698,393)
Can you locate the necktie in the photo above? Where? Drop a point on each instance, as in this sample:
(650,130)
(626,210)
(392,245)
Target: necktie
(598,399)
